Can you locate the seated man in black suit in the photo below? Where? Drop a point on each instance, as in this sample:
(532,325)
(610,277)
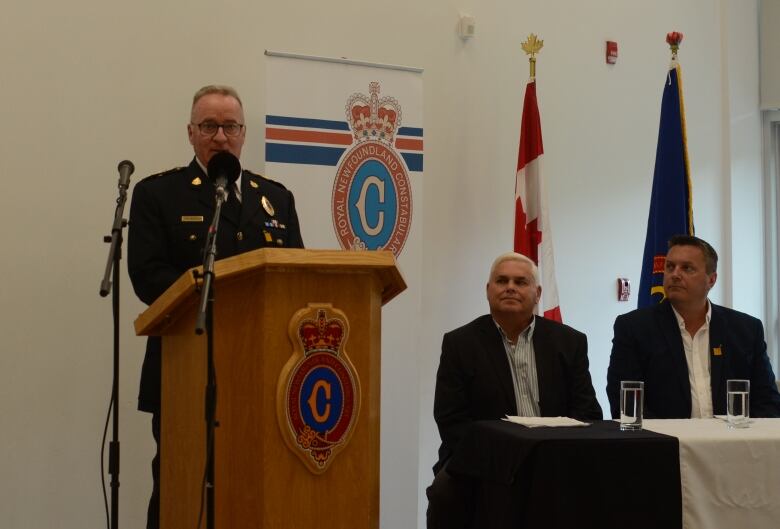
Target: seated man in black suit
(510,362)
(686,347)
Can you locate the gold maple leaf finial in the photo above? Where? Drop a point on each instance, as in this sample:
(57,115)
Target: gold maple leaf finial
(531,47)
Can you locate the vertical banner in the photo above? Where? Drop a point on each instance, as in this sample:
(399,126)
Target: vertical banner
(349,134)
(671,209)
(347,138)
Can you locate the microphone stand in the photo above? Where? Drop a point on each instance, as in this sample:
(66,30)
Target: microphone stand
(205,323)
(112,269)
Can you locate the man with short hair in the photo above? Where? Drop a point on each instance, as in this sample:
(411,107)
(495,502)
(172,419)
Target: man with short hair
(686,347)
(508,362)
(170,215)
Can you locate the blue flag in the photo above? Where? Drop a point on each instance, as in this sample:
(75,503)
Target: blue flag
(671,210)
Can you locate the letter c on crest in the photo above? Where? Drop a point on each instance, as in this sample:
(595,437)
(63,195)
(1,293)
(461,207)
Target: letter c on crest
(312,401)
(361,206)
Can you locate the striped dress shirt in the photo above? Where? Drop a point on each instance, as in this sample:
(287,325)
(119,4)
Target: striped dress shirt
(523,366)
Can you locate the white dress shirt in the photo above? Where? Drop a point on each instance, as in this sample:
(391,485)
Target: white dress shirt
(697,356)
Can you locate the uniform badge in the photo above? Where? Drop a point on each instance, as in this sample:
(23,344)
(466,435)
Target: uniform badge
(192,218)
(267,206)
(196,181)
(717,351)
(254,184)
(318,391)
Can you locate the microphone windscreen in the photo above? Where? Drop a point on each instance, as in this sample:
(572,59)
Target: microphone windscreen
(126,165)
(224,164)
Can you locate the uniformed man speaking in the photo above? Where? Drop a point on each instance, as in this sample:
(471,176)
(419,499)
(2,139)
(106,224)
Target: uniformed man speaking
(170,215)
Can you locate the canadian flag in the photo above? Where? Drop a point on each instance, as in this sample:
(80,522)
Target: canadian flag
(533,237)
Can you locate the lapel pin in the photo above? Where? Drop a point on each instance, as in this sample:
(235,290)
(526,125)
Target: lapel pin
(717,351)
(254,184)
(196,181)
(267,206)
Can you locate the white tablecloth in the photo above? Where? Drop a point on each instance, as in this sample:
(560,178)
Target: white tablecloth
(730,477)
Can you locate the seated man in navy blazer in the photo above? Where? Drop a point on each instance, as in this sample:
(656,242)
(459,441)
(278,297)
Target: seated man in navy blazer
(686,347)
(509,362)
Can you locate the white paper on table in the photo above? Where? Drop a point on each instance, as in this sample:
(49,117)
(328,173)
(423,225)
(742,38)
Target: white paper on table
(533,422)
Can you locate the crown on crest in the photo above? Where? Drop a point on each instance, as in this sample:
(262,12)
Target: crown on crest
(372,118)
(322,334)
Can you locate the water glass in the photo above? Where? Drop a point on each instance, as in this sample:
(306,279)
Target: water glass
(631,401)
(738,403)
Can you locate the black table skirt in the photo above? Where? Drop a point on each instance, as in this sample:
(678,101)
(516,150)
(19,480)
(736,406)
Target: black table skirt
(565,478)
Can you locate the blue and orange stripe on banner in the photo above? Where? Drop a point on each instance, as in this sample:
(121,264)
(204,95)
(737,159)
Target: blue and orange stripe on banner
(323,142)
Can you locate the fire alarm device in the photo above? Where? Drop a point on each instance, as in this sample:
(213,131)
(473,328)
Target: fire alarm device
(467,26)
(623,288)
(611,52)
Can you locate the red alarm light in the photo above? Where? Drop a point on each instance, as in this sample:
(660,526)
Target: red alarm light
(611,52)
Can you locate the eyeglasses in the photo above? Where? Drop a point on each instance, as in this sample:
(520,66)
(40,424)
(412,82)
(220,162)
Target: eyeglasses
(210,128)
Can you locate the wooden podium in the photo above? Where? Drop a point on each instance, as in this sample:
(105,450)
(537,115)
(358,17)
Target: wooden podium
(260,481)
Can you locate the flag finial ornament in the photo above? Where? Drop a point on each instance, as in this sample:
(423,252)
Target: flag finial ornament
(674,39)
(532,46)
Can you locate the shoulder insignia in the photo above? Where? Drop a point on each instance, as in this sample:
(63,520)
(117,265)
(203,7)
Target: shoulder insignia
(260,179)
(164,173)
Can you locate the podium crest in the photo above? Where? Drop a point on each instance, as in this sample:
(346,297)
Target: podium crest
(318,391)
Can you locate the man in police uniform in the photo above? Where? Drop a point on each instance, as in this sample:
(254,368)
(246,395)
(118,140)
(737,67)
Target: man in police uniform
(170,215)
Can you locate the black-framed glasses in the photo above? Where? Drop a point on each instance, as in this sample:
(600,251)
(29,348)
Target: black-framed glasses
(210,128)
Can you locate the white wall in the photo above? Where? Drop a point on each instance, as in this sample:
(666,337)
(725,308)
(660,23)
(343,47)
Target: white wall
(88,83)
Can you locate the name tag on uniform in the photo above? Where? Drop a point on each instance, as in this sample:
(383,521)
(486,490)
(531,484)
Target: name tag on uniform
(192,218)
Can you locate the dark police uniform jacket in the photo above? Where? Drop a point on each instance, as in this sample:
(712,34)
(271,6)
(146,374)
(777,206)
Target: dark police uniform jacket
(169,217)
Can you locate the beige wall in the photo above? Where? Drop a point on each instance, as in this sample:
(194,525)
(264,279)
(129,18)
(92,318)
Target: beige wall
(87,83)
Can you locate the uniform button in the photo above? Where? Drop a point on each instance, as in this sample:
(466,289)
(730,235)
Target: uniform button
(193,237)
(240,236)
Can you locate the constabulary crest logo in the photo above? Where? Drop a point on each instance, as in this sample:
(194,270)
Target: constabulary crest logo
(372,197)
(318,392)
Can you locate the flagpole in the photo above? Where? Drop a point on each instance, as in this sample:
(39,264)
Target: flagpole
(531,47)
(674,38)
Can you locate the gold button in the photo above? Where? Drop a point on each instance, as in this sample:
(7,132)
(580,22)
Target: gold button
(240,236)
(193,237)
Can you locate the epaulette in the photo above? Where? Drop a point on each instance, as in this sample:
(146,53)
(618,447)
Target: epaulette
(266,179)
(163,173)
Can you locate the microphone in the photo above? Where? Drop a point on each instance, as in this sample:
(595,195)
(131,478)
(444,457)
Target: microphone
(223,169)
(125,168)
